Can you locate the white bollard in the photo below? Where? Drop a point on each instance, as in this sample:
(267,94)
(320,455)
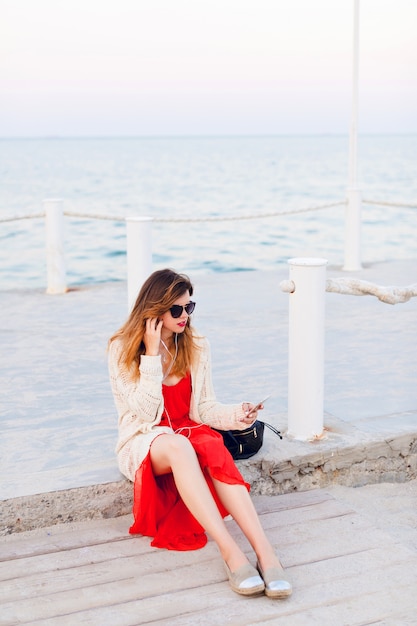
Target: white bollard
(139,255)
(55,258)
(306,348)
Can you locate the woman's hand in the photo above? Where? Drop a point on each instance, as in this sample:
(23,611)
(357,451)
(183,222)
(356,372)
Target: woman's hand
(251,412)
(152,336)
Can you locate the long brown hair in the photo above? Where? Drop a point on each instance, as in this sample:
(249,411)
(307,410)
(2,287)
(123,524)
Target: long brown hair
(157,295)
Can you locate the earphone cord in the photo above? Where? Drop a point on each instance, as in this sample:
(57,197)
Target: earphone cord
(178,431)
(173,358)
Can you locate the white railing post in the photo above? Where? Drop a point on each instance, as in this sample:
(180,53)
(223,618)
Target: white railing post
(55,258)
(139,255)
(306,348)
(353,207)
(353,231)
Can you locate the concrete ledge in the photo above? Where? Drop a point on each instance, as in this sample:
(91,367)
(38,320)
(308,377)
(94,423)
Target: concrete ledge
(347,457)
(62,507)
(350,466)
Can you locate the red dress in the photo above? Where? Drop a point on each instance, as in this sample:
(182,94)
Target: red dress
(158,509)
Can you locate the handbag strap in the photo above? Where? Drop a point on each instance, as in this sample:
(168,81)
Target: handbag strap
(274,430)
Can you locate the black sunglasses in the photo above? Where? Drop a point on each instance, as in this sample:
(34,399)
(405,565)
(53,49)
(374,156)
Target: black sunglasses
(176,309)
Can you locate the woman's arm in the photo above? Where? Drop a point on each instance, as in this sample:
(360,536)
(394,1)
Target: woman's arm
(141,397)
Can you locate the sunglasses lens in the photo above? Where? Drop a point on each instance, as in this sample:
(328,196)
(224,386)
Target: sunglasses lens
(176,310)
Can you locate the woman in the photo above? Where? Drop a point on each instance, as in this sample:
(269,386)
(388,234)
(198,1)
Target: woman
(185,480)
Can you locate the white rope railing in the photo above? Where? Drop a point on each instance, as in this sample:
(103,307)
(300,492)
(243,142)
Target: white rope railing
(15,218)
(401,205)
(234,218)
(94,216)
(140,228)
(249,217)
(356,287)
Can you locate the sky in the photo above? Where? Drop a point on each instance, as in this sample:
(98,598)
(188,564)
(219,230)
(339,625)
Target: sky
(214,67)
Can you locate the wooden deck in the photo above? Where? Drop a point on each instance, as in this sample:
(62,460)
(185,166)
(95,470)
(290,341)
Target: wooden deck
(345,572)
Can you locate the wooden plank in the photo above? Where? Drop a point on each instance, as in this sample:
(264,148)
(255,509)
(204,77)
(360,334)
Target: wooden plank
(319,511)
(64,537)
(361,609)
(293,500)
(351,594)
(101,556)
(210,609)
(97,591)
(65,585)
(95,574)
(86,554)
(336,557)
(312,539)
(71,536)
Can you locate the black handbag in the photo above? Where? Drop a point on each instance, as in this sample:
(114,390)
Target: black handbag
(242,444)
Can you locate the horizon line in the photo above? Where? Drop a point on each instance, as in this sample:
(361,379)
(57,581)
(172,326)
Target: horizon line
(202,136)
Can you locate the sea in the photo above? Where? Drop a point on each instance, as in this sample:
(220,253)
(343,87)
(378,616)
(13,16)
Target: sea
(220,204)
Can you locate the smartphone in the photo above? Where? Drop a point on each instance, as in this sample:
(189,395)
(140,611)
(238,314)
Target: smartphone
(257,406)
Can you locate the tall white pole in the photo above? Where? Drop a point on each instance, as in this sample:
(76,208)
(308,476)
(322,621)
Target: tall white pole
(353,208)
(55,259)
(306,348)
(139,255)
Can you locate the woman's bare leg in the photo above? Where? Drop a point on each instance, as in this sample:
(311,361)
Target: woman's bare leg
(238,502)
(174,453)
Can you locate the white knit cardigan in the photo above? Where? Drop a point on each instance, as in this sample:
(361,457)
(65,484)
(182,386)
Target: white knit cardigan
(139,403)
